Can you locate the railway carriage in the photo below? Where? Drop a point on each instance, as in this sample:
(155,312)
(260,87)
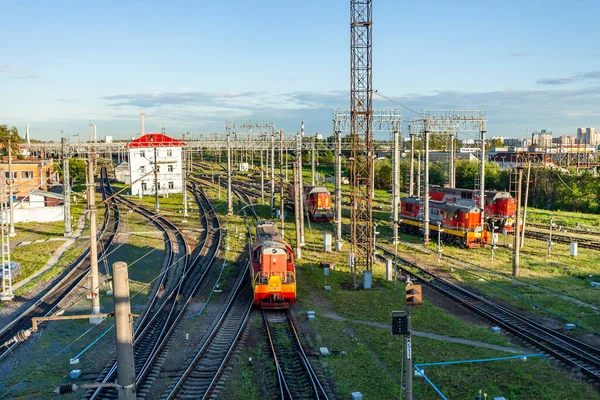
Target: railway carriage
(460,224)
(272,267)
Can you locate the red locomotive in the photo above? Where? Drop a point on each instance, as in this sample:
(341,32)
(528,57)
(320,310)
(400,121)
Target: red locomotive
(317,202)
(273,270)
(500,207)
(460,224)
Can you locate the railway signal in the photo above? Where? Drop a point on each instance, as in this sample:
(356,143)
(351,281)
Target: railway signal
(414,295)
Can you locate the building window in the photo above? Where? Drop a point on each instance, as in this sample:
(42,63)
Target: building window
(171,185)
(169,152)
(142,153)
(144,187)
(170,168)
(7,175)
(158,185)
(26,175)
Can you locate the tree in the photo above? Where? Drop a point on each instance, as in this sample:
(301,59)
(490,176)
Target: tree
(11,134)
(383,174)
(77,169)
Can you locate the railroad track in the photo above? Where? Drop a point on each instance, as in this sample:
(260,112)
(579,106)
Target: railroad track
(155,324)
(48,303)
(559,238)
(198,379)
(296,377)
(570,351)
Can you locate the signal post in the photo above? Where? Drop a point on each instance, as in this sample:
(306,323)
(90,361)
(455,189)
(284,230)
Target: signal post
(401,325)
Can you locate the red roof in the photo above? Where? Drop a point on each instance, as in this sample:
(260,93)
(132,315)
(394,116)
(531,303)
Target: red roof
(155,140)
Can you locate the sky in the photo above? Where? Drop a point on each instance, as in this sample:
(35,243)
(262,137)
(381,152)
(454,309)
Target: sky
(191,65)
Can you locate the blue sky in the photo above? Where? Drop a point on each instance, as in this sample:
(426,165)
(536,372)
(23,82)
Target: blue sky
(191,65)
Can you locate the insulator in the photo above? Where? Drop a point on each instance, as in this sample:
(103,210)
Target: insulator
(64,389)
(22,336)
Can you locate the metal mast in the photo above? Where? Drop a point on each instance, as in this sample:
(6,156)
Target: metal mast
(361,136)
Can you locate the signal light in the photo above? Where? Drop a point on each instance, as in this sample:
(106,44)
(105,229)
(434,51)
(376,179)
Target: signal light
(414,295)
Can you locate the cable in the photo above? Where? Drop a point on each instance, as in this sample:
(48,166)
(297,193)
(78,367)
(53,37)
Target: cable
(398,104)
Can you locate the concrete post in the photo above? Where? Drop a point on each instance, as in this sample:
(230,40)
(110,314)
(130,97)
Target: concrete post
(338,191)
(312,170)
(229,198)
(272,173)
(300,185)
(66,189)
(262,179)
(123,332)
(525,204)
(281,192)
(517,245)
(411,183)
(297,213)
(156,204)
(94,281)
(452,171)
(396,188)
(426,188)
(184,186)
(482,177)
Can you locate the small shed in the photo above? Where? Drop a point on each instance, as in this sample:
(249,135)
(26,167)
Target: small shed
(122,173)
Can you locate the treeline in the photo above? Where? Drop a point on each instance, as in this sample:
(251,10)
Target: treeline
(550,189)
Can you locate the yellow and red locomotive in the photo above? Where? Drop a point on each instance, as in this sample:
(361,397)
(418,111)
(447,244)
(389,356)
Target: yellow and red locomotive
(500,207)
(460,224)
(272,267)
(318,205)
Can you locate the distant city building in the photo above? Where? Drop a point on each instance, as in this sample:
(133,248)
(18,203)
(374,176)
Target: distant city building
(588,136)
(516,142)
(168,160)
(108,139)
(542,138)
(565,140)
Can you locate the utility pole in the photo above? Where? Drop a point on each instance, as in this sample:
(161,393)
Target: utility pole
(426,188)
(482,176)
(300,184)
(517,245)
(262,179)
(297,212)
(156,205)
(281,193)
(338,190)
(11,181)
(418,173)
(439,243)
(123,332)
(550,237)
(229,199)
(525,204)
(66,189)
(312,171)
(396,188)
(411,179)
(184,185)
(94,281)
(452,171)
(272,173)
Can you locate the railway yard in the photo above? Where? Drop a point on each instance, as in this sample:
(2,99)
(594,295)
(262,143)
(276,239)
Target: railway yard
(198,335)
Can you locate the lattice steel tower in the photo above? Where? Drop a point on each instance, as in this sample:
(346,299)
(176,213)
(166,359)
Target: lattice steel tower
(361,136)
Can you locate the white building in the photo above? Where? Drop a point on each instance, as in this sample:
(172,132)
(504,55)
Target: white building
(167,152)
(542,138)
